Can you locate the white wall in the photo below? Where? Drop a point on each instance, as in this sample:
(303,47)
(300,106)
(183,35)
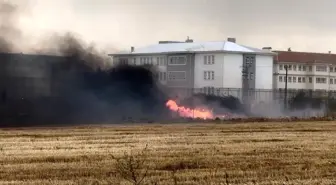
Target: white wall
(264,72)
(314,74)
(200,67)
(232,71)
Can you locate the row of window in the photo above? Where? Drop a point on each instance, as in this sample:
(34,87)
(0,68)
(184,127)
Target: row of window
(291,67)
(177,60)
(162,76)
(248,76)
(319,68)
(160,61)
(177,75)
(318,80)
(294,79)
(209,59)
(209,75)
(172,76)
(324,80)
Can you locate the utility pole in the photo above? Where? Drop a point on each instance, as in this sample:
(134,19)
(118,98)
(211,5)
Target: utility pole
(328,100)
(286,79)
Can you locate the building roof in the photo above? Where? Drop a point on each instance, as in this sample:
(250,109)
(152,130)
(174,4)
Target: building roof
(195,47)
(304,57)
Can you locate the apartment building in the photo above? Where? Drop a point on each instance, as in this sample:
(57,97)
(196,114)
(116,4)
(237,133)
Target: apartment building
(315,71)
(218,64)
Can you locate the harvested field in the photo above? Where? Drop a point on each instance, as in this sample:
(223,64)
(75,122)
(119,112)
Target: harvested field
(204,153)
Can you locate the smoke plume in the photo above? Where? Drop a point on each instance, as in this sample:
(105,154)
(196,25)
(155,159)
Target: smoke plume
(79,86)
(9,31)
(69,81)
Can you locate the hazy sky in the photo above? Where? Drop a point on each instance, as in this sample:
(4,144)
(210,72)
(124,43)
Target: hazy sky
(306,25)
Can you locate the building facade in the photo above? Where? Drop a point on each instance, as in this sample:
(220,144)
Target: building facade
(313,71)
(207,66)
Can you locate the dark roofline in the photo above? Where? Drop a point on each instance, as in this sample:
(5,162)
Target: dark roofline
(32,54)
(192,52)
(303,52)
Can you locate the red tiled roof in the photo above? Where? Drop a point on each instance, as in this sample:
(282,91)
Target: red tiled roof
(304,57)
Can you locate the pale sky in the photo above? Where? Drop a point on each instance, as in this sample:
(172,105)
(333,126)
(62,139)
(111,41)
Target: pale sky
(304,25)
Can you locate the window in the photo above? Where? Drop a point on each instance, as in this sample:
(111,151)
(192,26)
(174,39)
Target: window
(300,68)
(162,76)
(320,80)
(251,76)
(294,79)
(321,68)
(304,68)
(310,80)
(331,69)
(123,61)
(209,90)
(209,75)
(249,60)
(331,81)
(134,61)
(280,78)
(280,67)
(209,59)
(157,61)
(299,80)
(294,67)
(176,75)
(162,61)
(303,79)
(310,68)
(289,79)
(177,60)
(289,67)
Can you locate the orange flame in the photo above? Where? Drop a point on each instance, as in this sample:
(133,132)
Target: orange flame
(188,112)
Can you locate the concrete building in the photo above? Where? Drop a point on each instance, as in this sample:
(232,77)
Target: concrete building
(209,65)
(315,71)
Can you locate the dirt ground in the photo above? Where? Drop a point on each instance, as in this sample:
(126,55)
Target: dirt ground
(204,153)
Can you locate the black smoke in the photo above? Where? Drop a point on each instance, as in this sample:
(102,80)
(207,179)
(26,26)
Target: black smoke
(83,87)
(79,85)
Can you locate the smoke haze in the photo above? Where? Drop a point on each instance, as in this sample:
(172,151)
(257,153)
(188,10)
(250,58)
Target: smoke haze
(87,90)
(296,24)
(79,84)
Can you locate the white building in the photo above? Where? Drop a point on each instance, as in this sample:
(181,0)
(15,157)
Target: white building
(314,71)
(211,65)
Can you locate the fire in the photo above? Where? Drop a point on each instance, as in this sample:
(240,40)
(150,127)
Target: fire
(188,112)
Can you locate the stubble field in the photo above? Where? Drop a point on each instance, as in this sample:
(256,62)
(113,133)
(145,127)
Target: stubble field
(204,153)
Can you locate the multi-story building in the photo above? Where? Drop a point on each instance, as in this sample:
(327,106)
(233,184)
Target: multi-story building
(315,71)
(214,65)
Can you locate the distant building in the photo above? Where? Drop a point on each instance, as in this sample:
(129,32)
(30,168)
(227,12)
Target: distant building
(315,71)
(210,65)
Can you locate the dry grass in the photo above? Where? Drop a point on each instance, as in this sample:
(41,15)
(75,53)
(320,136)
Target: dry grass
(251,153)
